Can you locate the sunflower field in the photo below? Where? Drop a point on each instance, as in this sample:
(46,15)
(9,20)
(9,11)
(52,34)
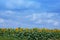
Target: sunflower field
(29,34)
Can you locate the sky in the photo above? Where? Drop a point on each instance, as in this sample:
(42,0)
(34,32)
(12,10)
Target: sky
(30,14)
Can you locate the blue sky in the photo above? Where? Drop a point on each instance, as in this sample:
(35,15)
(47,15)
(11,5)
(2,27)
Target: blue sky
(30,14)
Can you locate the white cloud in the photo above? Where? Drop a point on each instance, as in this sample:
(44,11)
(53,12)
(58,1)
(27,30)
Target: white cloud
(21,3)
(43,18)
(10,24)
(7,13)
(32,17)
(56,23)
(53,22)
(50,21)
(39,21)
(1,20)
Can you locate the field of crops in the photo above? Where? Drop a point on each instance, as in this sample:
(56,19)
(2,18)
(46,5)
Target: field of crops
(29,34)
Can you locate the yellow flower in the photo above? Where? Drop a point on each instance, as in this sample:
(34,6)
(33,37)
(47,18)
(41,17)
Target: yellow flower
(3,30)
(39,30)
(53,30)
(56,30)
(17,29)
(47,30)
(27,29)
(21,29)
(31,30)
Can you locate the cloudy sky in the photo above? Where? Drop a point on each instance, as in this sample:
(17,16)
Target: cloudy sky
(30,13)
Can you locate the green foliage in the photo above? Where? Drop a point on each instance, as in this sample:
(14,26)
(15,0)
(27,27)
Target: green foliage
(29,34)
